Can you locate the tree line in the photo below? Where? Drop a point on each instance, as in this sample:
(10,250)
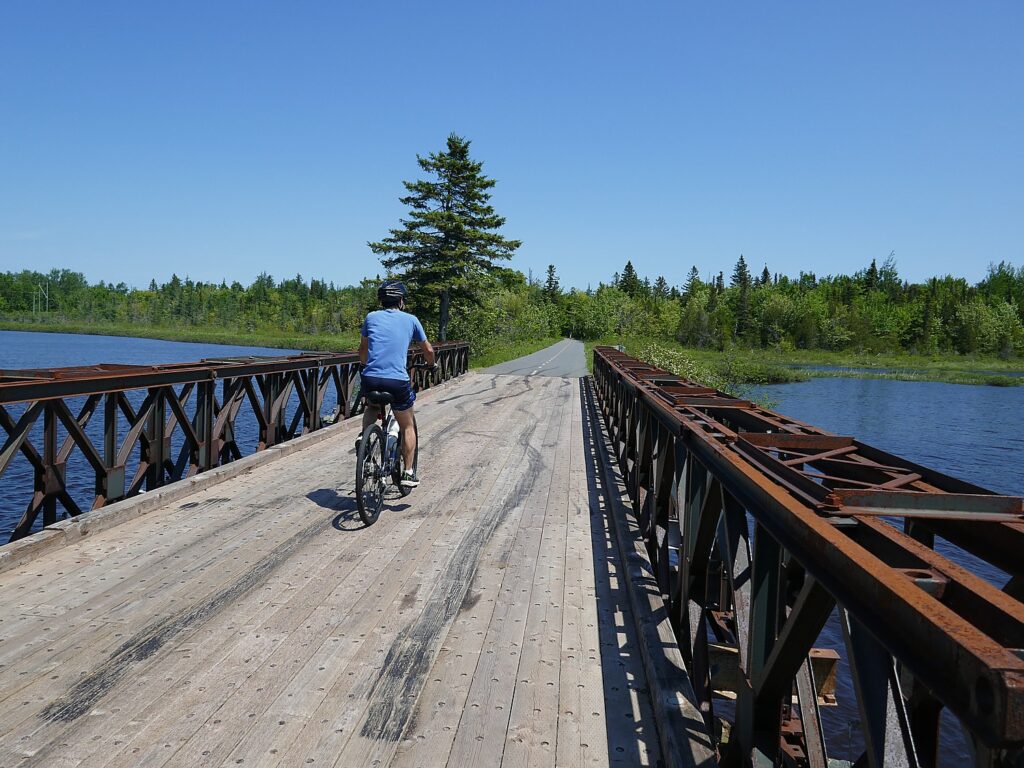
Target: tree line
(449,249)
(871,310)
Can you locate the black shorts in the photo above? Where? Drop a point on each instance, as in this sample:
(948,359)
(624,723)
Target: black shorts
(400,390)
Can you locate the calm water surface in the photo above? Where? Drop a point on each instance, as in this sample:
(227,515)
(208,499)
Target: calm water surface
(972,432)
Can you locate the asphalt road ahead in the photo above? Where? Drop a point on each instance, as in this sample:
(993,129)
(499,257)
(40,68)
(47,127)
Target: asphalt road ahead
(562,359)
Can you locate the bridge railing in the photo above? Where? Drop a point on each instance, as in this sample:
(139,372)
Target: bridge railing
(166,422)
(761,529)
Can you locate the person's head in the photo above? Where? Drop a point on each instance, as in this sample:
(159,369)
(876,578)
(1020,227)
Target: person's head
(392,294)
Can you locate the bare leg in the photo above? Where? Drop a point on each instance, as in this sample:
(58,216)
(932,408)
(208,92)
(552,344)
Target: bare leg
(408,427)
(369,415)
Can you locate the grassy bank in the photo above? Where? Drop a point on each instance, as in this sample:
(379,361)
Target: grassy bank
(200,335)
(950,369)
(754,367)
(726,369)
(494,352)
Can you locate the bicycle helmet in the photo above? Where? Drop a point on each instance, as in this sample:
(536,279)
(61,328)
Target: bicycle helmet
(391,292)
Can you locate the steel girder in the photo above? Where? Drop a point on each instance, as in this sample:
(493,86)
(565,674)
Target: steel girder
(759,527)
(180,404)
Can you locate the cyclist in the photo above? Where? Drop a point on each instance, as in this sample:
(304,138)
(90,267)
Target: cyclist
(383,351)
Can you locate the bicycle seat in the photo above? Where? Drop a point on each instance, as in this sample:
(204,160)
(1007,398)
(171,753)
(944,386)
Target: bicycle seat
(379,398)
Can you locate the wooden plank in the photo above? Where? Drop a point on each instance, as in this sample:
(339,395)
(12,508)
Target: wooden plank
(413,592)
(292,505)
(430,737)
(582,695)
(482,517)
(216,718)
(483,728)
(534,719)
(684,740)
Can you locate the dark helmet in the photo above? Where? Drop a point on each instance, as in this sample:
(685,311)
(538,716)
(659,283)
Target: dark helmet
(391,292)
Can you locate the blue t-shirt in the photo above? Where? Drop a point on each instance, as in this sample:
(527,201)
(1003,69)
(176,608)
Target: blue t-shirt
(389,333)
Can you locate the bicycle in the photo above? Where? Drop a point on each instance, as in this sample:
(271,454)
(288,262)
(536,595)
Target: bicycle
(380,460)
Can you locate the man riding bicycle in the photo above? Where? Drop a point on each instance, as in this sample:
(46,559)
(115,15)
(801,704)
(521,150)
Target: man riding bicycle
(383,351)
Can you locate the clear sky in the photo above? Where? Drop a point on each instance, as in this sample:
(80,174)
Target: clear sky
(219,140)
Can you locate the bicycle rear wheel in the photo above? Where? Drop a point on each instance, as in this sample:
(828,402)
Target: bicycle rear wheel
(370,477)
(400,461)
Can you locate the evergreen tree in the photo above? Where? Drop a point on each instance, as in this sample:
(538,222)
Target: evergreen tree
(629,282)
(661,287)
(871,276)
(741,274)
(693,283)
(741,282)
(766,276)
(450,240)
(552,290)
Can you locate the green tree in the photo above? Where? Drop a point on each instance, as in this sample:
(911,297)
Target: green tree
(693,283)
(742,283)
(450,242)
(552,290)
(629,283)
(661,288)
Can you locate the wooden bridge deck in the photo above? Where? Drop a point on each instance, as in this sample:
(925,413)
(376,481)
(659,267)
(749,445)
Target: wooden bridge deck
(481,621)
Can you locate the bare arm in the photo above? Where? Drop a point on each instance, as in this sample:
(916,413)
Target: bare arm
(364,349)
(428,352)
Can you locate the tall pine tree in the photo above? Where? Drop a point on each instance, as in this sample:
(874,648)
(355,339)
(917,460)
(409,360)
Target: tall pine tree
(552,289)
(629,282)
(741,281)
(450,241)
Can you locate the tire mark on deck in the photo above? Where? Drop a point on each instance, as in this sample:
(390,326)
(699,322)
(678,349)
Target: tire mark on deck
(395,693)
(84,695)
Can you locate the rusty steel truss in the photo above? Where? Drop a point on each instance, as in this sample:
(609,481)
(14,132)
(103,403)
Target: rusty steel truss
(760,528)
(66,399)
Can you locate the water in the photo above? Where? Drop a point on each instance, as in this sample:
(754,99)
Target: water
(20,350)
(875,371)
(974,433)
(971,432)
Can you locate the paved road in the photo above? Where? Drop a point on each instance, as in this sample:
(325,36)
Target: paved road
(562,359)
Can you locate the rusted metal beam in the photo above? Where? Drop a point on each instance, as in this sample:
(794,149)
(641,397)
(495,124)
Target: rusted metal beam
(819,499)
(206,430)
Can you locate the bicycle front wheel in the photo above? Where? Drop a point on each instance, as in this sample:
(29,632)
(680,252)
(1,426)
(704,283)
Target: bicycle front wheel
(370,477)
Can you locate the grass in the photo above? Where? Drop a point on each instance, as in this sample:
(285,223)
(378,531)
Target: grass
(495,352)
(732,369)
(741,367)
(729,368)
(950,369)
(200,334)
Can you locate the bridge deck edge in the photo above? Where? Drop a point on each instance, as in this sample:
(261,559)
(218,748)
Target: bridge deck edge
(684,740)
(70,531)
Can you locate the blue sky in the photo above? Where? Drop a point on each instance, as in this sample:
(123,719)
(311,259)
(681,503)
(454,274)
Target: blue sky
(219,140)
